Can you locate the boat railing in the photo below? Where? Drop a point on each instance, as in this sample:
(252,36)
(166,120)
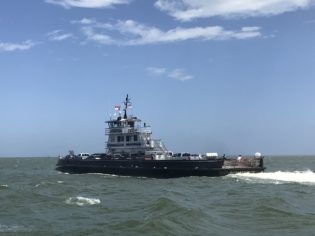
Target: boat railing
(245,162)
(146,130)
(158,145)
(119,130)
(127,130)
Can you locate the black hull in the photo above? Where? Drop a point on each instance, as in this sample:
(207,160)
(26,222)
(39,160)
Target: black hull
(144,168)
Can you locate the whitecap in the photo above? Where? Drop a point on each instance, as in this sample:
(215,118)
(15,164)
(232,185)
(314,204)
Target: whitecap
(44,183)
(82,201)
(63,173)
(4,186)
(278,177)
(5,228)
(110,175)
(12,229)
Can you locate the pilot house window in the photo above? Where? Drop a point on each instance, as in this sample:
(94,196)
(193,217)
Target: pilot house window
(120,139)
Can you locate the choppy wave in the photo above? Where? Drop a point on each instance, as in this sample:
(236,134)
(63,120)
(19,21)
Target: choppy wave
(12,229)
(278,177)
(162,216)
(240,205)
(82,201)
(112,175)
(45,183)
(3,186)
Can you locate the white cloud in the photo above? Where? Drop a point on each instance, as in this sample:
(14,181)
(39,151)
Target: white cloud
(177,74)
(156,70)
(84,21)
(130,32)
(186,10)
(16,46)
(58,35)
(100,38)
(87,3)
(180,74)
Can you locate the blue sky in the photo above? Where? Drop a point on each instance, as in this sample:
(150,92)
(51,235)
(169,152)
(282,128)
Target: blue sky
(232,77)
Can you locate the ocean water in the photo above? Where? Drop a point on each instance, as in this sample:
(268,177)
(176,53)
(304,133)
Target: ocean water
(38,200)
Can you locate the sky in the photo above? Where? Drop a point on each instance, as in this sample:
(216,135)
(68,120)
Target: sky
(233,77)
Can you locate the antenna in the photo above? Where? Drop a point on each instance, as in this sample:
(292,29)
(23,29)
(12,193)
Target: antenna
(126,103)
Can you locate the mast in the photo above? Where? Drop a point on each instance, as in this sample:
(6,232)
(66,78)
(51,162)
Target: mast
(126,103)
(127,136)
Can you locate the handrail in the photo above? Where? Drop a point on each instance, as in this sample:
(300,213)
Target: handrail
(127,130)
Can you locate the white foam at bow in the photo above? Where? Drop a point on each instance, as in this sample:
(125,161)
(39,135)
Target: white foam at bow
(303,177)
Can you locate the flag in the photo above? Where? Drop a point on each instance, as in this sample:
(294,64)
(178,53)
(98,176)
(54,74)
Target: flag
(117,107)
(129,105)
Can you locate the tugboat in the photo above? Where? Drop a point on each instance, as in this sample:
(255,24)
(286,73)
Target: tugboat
(131,151)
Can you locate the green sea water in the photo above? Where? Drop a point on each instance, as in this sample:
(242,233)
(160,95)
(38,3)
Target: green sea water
(38,200)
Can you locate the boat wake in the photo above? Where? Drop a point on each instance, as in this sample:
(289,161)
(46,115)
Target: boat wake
(279,177)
